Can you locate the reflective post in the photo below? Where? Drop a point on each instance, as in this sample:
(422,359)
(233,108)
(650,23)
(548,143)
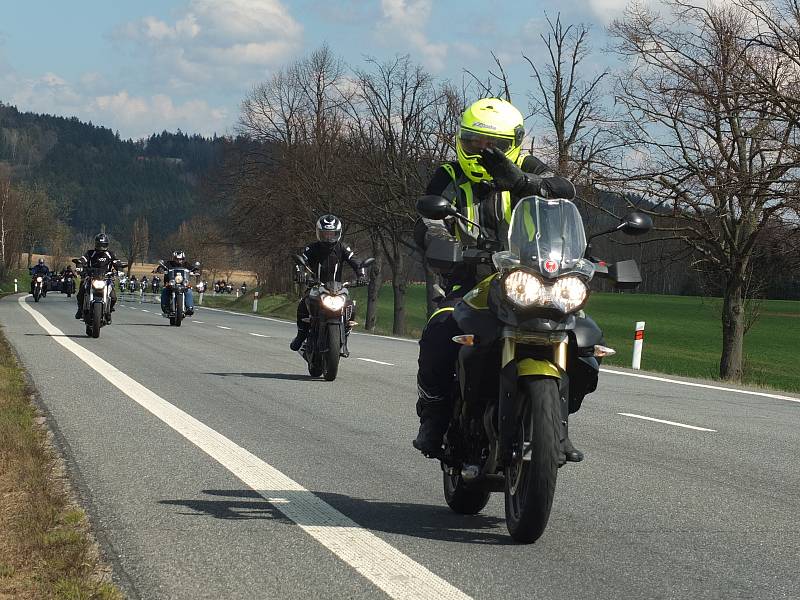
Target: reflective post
(638,342)
(15,286)
(255,302)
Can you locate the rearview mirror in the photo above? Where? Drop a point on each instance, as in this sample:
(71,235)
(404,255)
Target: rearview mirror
(435,207)
(636,223)
(197,264)
(300,260)
(368,262)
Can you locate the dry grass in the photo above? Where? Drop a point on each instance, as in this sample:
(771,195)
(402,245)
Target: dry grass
(46,550)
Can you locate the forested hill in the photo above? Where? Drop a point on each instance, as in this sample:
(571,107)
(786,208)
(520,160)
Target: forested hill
(98,179)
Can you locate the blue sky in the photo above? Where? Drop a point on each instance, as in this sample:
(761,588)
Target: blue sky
(140,66)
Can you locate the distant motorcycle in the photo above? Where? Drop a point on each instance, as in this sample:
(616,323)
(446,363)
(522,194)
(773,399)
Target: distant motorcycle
(331,313)
(98,281)
(229,288)
(155,285)
(68,285)
(133,285)
(39,287)
(176,280)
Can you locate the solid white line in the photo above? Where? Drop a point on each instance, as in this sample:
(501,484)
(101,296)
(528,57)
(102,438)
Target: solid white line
(259,334)
(702,385)
(386,567)
(666,422)
(380,362)
(222,327)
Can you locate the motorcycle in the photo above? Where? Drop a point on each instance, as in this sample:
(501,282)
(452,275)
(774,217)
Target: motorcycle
(229,288)
(155,285)
(39,287)
(176,280)
(133,285)
(99,282)
(68,286)
(331,312)
(528,355)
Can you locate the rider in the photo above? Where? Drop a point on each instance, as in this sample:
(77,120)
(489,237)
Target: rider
(68,277)
(325,258)
(488,179)
(178,261)
(40,269)
(98,257)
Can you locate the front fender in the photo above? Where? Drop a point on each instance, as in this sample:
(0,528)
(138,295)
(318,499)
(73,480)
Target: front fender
(532,366)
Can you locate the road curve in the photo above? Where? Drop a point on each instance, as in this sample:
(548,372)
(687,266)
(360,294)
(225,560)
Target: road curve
(213,467)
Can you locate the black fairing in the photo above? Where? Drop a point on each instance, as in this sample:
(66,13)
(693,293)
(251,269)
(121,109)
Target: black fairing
(587,333)
(481,323)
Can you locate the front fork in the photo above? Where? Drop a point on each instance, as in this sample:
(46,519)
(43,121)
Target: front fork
(509,405)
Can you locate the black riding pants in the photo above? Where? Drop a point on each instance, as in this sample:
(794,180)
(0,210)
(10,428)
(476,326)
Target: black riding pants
(437,358)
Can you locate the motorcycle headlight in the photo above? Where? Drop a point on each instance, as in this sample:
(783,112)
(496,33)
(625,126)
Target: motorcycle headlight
(98,284)
(39,280)
(178,278)
(334,303)
(525,289)
(569,294)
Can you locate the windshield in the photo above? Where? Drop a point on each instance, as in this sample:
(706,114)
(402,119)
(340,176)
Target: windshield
(547,234)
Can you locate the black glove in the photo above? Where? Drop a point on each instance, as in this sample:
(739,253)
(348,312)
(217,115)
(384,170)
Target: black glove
(557,187)
(505,174)
(361,280)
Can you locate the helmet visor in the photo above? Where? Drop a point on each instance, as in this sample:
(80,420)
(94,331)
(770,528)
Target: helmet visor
(473,142)
(324,235)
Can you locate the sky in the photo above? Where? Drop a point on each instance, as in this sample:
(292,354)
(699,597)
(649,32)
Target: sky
(143,66)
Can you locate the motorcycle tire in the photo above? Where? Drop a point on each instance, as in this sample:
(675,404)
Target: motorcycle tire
(178,311)
(314,370)
(463,499)
(331,359)
(35,297)
(97,319)
(531,480)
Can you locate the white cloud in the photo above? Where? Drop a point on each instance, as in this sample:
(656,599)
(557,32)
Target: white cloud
(607,10)
(406,20)
(210,40)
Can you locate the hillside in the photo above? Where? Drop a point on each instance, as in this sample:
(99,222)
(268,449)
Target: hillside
(96,178)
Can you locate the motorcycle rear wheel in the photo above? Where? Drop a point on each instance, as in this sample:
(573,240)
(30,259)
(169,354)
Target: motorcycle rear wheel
(463,499)
(333,354)
(97,319)
(531,479)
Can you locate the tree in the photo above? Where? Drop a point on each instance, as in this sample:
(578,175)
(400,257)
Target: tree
(709,143)
(134,240)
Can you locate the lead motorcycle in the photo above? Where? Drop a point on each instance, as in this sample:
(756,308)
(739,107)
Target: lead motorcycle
(176,280)
(98,283)
(39,287)
(331,311)
(524,340)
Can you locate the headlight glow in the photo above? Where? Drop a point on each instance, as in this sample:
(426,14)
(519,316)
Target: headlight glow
(334,303)
(569,294)
(178,278)
(98,284)
(525,289)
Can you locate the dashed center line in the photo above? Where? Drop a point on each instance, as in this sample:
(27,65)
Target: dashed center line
(666,422)
(259,335)
(379,362)
(201,322)
(223,327)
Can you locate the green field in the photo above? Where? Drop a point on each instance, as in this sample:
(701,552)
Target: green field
(682,337)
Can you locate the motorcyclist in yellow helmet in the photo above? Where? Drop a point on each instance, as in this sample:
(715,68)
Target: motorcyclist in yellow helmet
(484,184)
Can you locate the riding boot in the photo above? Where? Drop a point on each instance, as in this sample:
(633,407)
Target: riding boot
(572,453)
(434,417)
(298,340)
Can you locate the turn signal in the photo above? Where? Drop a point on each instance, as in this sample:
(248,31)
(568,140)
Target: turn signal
(603,351)
(465,340)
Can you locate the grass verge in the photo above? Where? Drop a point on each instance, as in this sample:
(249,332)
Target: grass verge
(683,333)
(46,550)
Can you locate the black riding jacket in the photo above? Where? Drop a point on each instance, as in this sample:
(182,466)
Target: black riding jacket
(326,260)
(97,259)
(490,208)
(40,270)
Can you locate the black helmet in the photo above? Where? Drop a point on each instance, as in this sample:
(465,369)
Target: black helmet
(329,229)
(101,241)
(179,256)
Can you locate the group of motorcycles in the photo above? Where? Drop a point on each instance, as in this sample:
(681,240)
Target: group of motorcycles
(133,285)
(52,283)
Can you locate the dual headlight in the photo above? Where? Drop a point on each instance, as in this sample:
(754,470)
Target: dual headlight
(98,284)
(334,303)
(526,290)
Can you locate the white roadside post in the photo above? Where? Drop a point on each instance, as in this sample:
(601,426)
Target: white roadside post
(638,342)
(15,286)
(255,302)
(201,296)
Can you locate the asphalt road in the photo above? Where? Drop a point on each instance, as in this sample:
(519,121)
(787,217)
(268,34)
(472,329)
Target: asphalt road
(266,484)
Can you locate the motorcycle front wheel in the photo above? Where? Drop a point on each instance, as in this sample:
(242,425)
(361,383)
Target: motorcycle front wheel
(97,318)
(178,310)
(333,353)
(531,478)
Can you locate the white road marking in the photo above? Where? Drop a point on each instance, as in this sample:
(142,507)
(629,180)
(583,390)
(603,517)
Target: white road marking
(201,322)
(222,327)
(145,310)
(259,334)
(380,362)
(702,385)
(666,422)
(385,566)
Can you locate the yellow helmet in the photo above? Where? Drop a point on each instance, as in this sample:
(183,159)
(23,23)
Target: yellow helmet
(488,122)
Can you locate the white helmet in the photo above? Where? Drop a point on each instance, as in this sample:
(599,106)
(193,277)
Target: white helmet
(329,229)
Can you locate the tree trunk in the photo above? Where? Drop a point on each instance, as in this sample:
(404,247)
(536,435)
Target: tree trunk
(374,288)
(733,329)
(399,289)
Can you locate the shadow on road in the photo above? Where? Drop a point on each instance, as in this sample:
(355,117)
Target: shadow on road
(414,520)
(285,376)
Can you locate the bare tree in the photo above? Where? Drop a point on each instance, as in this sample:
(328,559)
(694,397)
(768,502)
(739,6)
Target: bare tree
(720,157)
(133,240)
